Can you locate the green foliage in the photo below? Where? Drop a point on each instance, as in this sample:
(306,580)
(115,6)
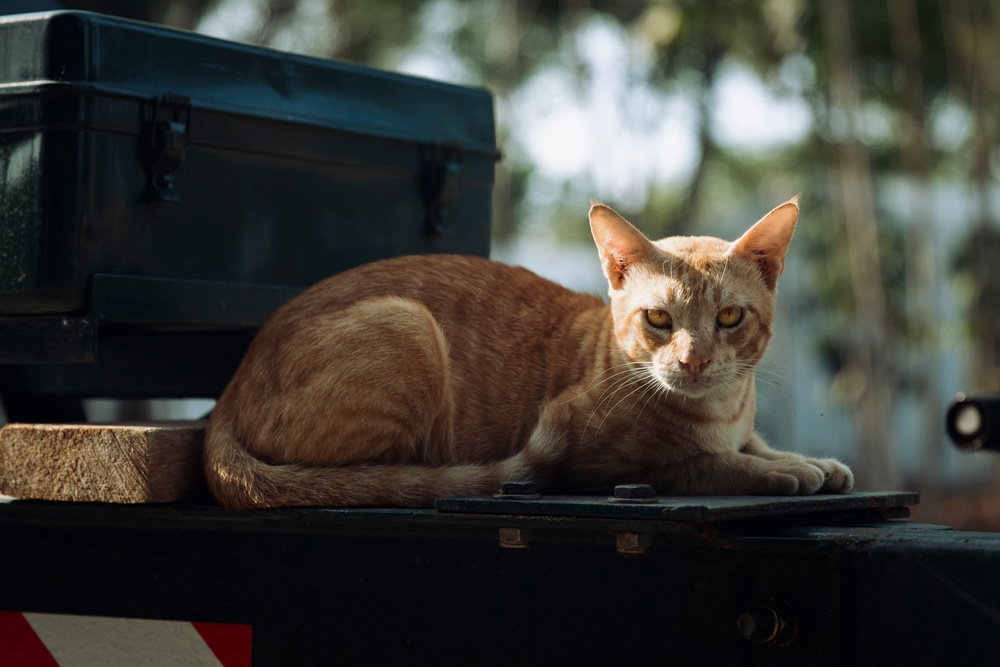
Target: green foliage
(790,45)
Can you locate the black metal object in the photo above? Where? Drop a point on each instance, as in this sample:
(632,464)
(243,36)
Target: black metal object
(168,140)
(972,420)
(157,180)
(396,586)
(442,173)
(774,622)
(632,493)
(710,509)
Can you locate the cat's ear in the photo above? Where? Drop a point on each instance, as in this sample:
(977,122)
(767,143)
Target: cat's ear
(619,244)
(766,242)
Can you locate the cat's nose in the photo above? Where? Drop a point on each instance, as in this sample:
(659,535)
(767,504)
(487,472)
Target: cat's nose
(695,365)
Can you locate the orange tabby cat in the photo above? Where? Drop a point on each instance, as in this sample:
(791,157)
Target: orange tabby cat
(420,377)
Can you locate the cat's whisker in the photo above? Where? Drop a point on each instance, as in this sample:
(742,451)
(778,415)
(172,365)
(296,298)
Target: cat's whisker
(765,370)
(631,367)
(641,386)
(630,379)
(635,378)
(763,375)
(609,395)
(653,387)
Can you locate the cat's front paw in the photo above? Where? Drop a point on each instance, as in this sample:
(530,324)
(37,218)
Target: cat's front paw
(793,477)
(838,477)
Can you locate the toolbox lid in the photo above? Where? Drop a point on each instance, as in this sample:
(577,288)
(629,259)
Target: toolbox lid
(134,59)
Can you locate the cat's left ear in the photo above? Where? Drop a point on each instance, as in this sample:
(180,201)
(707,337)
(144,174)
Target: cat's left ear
(766,243)
(619,244)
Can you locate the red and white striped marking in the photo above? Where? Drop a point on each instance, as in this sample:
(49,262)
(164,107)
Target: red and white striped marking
(55,640)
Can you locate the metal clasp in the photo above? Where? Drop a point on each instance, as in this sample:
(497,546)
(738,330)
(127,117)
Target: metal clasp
(441,170)
(169,135)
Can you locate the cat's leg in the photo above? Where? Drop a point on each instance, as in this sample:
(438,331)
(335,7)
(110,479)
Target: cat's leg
(738,473)
(543,456)
(838,477)
(374,388)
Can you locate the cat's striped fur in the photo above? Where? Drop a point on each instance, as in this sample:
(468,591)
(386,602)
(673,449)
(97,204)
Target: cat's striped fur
(419,377)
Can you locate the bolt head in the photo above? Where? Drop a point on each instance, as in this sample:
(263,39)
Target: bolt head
(773,622)
(634,491)
(517,488)
(758,624)
(517,539)
(634,544)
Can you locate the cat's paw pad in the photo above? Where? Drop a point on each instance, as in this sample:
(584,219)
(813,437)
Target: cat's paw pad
(838,478)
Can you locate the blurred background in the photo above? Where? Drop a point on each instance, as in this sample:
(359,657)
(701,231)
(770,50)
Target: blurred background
(697,118)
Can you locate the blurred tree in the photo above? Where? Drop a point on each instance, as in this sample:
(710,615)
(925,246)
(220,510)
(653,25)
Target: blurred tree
(973,49)
(867,343)
(921,265)
(871,74)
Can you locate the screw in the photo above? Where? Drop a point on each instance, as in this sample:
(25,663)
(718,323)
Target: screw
(634,545)
(633,493)
(771,623)
(517,539)
(518,490)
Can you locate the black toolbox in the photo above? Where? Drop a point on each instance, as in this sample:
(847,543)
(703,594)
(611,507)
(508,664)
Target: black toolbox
(162,192)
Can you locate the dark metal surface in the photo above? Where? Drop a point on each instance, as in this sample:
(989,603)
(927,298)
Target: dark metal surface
(399,586)
(684,508)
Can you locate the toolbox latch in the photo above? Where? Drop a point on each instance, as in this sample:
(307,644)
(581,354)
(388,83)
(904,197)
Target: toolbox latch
(442,167)
(168,139)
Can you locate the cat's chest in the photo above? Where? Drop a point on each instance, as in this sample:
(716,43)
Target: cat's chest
(681,435)
(720,436)
(659,432)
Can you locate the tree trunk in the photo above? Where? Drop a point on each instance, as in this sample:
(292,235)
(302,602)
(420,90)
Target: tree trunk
(921,266)
(853,197)
(972,56)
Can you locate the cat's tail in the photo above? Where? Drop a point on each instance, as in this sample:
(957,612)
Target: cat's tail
(239,480)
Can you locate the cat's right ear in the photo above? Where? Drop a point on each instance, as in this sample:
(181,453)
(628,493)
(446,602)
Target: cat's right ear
(619,244)
(766,243)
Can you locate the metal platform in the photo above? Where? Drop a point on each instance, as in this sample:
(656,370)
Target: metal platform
(494,581)
(689,509)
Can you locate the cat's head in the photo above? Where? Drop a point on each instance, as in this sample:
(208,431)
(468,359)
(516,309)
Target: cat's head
(695,311)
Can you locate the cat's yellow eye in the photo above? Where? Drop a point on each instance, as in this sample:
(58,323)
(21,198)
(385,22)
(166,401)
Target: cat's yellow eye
(730,317)
(659,318)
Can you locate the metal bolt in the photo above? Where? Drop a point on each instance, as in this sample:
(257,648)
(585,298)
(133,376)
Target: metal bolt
(633,493)
(518,490)
(517,539)
(771,623)
(634,545)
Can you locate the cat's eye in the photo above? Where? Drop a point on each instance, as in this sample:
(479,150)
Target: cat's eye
(730,317)
(659,318)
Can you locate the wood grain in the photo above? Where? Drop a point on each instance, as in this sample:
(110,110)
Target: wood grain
(111,463)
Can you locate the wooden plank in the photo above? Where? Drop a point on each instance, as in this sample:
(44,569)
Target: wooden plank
(110,463)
